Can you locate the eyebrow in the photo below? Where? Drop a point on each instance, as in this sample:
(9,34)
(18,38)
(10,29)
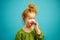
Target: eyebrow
(30,17)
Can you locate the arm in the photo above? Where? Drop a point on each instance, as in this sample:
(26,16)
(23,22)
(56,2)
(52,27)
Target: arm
(40,37)
(39,33)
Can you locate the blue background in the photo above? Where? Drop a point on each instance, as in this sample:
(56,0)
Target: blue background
(47,17)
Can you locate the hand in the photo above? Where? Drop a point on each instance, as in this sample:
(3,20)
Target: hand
(34,22)
(36,27)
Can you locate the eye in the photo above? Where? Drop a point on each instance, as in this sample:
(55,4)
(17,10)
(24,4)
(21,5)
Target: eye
(30,18)
(33,18)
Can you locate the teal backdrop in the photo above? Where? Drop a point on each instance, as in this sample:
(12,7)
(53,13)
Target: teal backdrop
(48,17)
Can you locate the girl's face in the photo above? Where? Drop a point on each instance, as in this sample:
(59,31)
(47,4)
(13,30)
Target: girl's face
(30,17)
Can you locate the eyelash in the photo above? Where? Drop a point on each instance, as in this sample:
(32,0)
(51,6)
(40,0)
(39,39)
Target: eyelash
(31,18)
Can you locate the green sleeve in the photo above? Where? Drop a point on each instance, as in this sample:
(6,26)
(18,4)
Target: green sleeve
(18,36)
(41,36)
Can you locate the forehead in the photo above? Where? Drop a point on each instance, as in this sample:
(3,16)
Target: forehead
(32,14)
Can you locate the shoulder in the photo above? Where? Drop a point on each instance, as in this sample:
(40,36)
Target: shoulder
(20,31)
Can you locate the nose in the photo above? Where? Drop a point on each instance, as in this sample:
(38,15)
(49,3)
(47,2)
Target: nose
(33,19)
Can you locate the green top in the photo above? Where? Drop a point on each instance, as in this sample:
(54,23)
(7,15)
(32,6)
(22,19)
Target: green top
(22,35)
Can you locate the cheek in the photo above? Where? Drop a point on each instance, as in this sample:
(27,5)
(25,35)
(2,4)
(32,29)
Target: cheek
(28,21)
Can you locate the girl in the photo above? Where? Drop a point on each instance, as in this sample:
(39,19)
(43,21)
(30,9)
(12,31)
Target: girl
(29,32)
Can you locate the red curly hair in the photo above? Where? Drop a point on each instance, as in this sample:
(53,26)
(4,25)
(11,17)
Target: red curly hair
(31,8)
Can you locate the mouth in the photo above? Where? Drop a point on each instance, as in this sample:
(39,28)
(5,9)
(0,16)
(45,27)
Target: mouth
(31,23)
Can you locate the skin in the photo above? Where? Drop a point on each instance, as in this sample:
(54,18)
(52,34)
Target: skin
(29,21)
